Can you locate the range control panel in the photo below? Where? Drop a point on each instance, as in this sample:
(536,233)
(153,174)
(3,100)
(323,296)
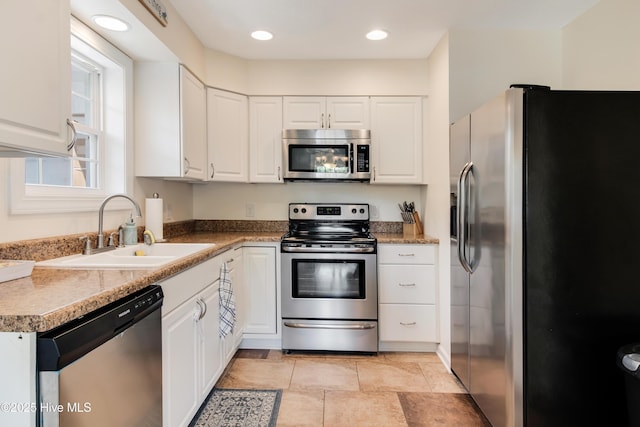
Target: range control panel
(329,211)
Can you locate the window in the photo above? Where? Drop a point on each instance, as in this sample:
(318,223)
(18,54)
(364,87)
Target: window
(82,168)
(101,107)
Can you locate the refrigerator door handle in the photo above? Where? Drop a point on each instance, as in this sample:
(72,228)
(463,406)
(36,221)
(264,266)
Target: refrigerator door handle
(463,215)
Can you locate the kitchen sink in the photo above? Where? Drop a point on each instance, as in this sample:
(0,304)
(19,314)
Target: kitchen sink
(152,256)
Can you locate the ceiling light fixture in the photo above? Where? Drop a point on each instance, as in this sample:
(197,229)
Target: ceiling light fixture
(110,23)
(262,35)
(377,35)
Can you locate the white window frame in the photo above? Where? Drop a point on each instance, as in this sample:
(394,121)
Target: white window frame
(30,199)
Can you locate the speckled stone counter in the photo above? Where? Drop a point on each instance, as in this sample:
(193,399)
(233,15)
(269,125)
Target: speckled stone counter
(52,297)
(399,238)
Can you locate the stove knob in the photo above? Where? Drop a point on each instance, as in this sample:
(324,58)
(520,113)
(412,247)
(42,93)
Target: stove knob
(295,210)
(354,210)
(361,210)
(304,210)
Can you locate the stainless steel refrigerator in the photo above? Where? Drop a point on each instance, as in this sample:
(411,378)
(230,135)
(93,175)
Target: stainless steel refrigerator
(545,214)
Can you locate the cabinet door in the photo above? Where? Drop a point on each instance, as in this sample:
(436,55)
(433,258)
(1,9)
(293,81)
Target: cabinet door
(212,363)
(180,367)
(304,112)
(396,138)
(260,284)
(408,323)
(348,112)
(265,139)
(228,136)
(407,284)
(35,77)
(193,128)
(239,292)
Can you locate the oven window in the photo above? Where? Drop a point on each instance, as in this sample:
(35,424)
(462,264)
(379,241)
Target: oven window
(319,159)
(328,279)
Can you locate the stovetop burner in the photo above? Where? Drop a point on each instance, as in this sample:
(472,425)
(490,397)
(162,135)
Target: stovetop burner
(332,223)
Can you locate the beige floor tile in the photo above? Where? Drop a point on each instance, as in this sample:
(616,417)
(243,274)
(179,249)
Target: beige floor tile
(412,357)
(363,409)
(258,373)
(301,409)
(324,374)
(386,376)
(440,379)
(438,409)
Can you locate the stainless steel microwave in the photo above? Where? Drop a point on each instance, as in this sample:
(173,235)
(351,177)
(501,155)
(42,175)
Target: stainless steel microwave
(327,154)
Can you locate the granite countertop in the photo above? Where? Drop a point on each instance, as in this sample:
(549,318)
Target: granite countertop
(52,297)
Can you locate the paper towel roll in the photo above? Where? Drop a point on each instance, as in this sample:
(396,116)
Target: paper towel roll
(153,217)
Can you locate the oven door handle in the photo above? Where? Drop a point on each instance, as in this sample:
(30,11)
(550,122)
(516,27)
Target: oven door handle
(328,250)
(359,326)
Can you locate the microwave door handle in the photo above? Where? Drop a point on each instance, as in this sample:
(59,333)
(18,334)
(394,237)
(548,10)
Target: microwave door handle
(351,157)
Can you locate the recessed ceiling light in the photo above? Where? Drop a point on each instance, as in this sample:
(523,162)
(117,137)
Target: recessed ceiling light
(262,35)
(110,23)
(377,35)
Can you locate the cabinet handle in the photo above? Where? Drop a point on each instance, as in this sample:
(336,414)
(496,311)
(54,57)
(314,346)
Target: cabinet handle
(322,121)
(408,323)
(374,174)
(406,285)
(74,134)
(198,315)
(403,255)
(212,170)
(278,173)
(329,121)
(204,304)
(187,166)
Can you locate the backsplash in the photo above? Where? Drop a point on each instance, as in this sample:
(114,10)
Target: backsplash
(57,246)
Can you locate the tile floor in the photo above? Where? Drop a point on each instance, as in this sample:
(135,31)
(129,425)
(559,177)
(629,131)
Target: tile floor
(387,389)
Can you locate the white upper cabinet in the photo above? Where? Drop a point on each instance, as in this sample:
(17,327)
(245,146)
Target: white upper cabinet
(228,136)
(35,77)
(335,112)
(265,139)
(396,140)
(171,127)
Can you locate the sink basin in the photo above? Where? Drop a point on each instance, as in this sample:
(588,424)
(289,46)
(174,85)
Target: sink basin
(154,256)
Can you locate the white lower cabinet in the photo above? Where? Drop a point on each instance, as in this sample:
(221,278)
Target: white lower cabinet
(192,359)
(260,283)
(408,315)
(231,342)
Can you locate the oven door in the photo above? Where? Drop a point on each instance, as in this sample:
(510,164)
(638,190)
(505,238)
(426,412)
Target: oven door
(332,286)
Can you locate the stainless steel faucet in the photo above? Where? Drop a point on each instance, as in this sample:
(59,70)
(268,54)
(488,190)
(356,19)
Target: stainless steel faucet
(101,215)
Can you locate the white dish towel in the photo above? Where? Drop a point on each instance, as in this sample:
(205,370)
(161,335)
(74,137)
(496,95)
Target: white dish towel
(227,302)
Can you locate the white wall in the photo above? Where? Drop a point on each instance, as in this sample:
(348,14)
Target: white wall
(437,193)
(601,48)
(229,200)
(483,63)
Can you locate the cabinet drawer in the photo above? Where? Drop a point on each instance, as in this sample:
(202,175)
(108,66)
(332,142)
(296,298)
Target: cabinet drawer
(407,284)
(179,288)
(406,254)
(408,323)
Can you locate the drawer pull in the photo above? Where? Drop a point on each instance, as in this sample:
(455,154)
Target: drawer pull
(406,285)
(408,323)
(406,254)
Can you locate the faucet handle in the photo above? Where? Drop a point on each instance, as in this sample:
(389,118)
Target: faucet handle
(148,237)
(111,242)
(87,245)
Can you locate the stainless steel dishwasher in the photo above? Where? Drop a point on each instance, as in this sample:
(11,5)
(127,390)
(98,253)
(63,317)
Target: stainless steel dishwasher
(105,368)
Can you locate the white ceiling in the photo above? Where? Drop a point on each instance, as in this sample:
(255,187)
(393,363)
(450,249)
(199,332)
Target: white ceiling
(335,29)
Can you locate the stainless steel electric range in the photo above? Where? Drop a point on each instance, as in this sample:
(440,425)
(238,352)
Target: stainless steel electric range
(329,279)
